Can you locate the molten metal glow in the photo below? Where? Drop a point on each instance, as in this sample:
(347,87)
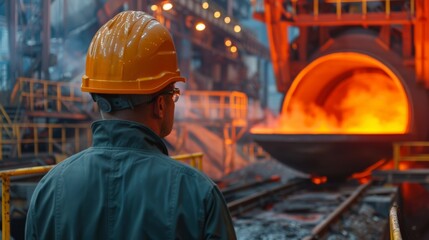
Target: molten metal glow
(319,180)
(363,103)
(365,176)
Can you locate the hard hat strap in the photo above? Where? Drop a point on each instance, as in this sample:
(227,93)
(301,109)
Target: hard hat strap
(111,103)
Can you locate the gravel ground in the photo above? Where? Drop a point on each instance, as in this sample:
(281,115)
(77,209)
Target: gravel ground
(362,223)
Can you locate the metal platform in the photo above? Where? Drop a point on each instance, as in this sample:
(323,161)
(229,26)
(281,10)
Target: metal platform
(400,176)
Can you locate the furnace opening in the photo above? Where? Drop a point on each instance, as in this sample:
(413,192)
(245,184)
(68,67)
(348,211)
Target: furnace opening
(343,93)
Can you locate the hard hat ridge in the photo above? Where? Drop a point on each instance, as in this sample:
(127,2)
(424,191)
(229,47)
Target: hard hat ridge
(131,54)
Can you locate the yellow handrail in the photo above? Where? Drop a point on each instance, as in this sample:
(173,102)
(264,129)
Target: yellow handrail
(195,158)
(214,105)
(395,231)
(70,138)
(45,95)
(401,152)
(339,6)
(5,192)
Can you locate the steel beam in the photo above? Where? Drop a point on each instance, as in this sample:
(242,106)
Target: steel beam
(12,25)
(46,39)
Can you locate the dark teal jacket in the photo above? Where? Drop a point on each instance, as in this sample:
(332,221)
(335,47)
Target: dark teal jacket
(126,187)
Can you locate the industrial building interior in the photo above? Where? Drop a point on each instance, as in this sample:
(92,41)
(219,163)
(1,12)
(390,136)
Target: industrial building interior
(332,89)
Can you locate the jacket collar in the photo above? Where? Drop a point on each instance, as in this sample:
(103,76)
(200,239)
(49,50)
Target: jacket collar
(127,134)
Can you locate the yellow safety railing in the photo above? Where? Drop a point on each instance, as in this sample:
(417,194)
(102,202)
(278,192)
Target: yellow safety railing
(339,5)
(45,95)
(395,231)
(195,161)
(46,137)
(410,151)
(214,105)
(51,96)
(5,202)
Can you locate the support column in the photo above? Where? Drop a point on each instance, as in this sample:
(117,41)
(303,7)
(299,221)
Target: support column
(421,41)
(230,139)
(46,38)
(279,43)
(12,26)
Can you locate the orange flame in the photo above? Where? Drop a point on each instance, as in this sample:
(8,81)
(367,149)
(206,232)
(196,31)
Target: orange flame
(365,103)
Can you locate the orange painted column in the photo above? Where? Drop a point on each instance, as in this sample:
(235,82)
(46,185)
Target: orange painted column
(277,31)
(421,41)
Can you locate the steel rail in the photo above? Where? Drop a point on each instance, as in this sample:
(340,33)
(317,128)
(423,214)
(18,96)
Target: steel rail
(244,204)
(319,230)
(395,231)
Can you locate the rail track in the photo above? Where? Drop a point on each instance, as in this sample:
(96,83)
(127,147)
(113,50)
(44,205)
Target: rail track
(300,209)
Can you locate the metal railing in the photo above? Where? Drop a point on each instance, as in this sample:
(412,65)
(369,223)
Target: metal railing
(410,151)
(213,105)
(49,138)
(50,96)
(357,5)
(195,160)
(45,95)
(395,231)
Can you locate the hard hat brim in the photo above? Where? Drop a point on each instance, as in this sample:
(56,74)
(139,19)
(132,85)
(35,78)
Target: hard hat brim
(141,86)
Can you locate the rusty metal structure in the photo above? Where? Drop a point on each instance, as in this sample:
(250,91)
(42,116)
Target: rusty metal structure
(339,40)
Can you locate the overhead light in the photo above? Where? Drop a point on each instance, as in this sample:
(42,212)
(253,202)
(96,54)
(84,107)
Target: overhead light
(228,43)
(216,14)
(200,26)
(167,6)
(237,28)
(154,7)
(227,20)
(205,5)
(233,49)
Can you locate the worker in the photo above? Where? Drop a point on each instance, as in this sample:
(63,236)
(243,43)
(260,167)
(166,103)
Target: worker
(125,186)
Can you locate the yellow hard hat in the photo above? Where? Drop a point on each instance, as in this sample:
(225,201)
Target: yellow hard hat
(131,54)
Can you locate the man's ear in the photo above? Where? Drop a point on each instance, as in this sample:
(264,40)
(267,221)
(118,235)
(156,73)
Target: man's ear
(159,107)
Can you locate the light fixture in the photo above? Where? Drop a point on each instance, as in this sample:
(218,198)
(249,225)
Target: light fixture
(167,6)
(216,14)
(205,5)
(200,26)
(237,28)
(228,43)
(233,49)
(154,7)
(227,20)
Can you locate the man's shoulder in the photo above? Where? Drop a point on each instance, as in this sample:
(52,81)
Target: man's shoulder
(187,171)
